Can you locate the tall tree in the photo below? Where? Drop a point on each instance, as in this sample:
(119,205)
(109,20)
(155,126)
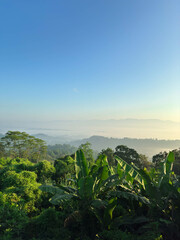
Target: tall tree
(64,167)
(145,163)
(21,144)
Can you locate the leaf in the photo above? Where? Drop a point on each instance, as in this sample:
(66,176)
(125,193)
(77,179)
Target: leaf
(59,198)
(130,196)
(85,187)
(167,169)
(101,175)
(81,166)
(128,169)
(150,187)
(112,181)
(169,162)
(109,211)
(102,161)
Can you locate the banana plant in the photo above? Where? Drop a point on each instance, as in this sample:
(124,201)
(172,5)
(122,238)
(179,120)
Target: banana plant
(152,187)
(90,190)
(162,193)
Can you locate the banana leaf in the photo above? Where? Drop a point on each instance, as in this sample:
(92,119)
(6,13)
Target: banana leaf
(167,169)
(130,196)
(81,165)
(51,189)
(85,187)
(129,171)
(59,198)
(109,211)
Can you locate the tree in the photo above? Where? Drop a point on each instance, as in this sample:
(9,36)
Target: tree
(20,144)
(44,170)
(144,162)
(64,167)
(129,155)
(25,186)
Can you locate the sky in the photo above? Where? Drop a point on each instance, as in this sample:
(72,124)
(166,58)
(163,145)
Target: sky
(82,60)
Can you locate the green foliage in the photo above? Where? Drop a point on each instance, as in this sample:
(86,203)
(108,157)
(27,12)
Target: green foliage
(12,218)
(18,179)
(64,169)
(45,171)
(129,172)
(91,201)
(48,225)
(81,165)
(25,186)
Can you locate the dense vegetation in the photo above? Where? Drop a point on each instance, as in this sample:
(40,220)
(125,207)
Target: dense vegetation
(59,150)
(118,195)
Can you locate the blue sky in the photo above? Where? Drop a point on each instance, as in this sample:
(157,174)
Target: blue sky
(77,59)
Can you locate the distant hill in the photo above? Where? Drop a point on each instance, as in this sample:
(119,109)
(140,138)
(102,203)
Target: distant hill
(148,147)
(52,140)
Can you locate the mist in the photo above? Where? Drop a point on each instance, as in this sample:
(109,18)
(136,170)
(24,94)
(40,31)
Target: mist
(132,128)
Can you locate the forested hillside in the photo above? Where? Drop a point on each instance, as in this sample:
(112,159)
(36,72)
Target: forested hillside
(118,195)
(148,147)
